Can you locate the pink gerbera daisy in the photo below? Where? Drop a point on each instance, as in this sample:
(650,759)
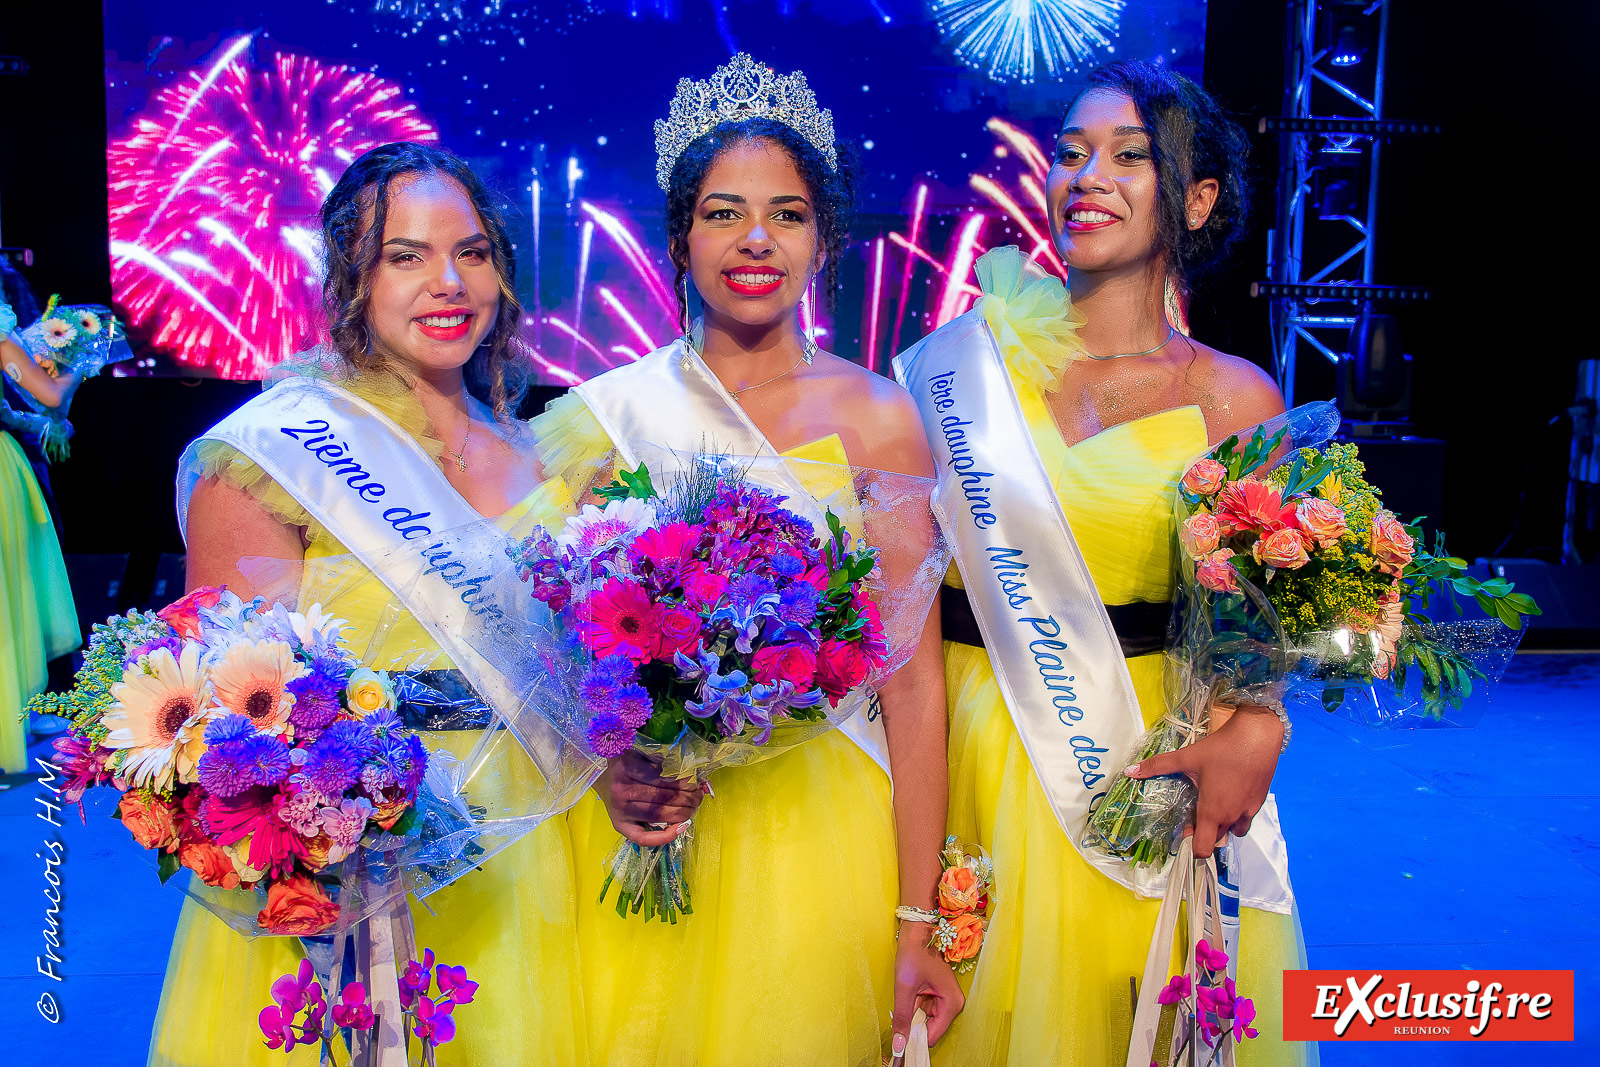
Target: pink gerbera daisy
(668,548)
(1248,504)
(619,619)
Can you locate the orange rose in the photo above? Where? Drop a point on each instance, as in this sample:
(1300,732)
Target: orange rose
(1200,535)
(969,938)
(184,615)
(1285,549)
(297,906)
(1322,520)
(1391,620)
(958,890)
(152,822)
(1392,547)
(1204,478)
(210,863)
(317,848)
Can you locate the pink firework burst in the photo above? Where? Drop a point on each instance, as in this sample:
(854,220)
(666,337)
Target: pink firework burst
(216,248)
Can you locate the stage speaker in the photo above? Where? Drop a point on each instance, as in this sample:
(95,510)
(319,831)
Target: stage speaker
(96,586)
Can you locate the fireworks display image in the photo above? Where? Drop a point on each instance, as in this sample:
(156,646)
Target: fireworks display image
(215,245)
(1025,40)
(223,145)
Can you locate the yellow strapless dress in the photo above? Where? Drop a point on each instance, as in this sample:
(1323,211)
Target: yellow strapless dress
(37,619)
(788,958)
(1052,987)
(509,923)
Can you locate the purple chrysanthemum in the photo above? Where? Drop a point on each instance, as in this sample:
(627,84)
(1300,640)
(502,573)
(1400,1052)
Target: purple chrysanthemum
(224,770)
(786,563)
(332,766)
(750,592)
(266,756)
(316,703)
(225,728)
(633,703)
(383,722)
(358,735)
(797,604)
(416,764)
(608,735)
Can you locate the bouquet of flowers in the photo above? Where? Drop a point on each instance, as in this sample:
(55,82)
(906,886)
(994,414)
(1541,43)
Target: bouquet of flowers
(81,338)
(248,746)
(1295,583)
(718,627)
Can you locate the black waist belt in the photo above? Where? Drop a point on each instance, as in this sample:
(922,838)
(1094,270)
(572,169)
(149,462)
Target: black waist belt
(1141,627)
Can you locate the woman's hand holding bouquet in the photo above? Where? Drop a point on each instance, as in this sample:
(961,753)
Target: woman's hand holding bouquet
(1295,583)
(720,630)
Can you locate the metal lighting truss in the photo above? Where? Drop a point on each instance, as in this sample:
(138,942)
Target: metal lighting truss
(1300,290)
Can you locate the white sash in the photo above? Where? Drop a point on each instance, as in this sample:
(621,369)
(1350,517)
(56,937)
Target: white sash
(1051,643)
(671,399)
(1055,655)
(374,488)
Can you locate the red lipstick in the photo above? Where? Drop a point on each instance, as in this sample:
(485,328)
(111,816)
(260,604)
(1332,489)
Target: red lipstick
(453,331)
(753,281)
(1079,225)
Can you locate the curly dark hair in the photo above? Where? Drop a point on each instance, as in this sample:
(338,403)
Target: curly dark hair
(1191,138)
(832,192)
(353,217)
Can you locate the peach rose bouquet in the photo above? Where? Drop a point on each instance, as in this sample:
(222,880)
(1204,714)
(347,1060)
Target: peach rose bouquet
(1296,584)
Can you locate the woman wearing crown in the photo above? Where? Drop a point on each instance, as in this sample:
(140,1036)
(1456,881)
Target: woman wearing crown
(1080,407)
(790,956)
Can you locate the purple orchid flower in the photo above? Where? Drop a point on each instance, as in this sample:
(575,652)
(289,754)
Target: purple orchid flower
(454,983)
(724,695)
(434,1024)
(1212,959)
(1174,991)
(417,979)
(352,1010)
(1244,1013)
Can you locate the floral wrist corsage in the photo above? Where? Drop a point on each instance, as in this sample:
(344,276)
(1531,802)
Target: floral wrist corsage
(964,891)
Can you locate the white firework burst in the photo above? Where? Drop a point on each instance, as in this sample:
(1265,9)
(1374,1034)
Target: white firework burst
(1025,40)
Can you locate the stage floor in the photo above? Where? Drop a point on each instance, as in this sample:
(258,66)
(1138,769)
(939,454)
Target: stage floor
(1436,849)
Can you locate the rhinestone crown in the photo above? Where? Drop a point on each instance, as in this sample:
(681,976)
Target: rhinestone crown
(744,89)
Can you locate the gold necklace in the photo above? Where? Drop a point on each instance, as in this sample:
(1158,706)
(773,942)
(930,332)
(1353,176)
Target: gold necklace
(461,457)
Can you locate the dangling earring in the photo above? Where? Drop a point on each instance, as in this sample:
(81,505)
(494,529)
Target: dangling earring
(694,334)
(808,343)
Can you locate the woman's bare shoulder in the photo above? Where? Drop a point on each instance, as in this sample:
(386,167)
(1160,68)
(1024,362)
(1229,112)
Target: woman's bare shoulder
(878,419)
(1233,392)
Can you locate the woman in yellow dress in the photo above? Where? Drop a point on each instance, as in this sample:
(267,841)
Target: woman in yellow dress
(37,619)
(424,311)
(1146,192)
(790,956)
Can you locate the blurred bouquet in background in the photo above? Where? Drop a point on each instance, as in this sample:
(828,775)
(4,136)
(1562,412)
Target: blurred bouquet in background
(1296,585)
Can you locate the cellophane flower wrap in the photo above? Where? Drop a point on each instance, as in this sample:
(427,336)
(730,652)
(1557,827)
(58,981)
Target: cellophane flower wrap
(719,626)
(306,791)
(1297,586)
(248,746)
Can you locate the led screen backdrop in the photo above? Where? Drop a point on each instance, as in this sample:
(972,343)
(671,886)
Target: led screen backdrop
(229,119)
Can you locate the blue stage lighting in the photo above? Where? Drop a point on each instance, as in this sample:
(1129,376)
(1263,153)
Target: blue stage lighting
(1025,40)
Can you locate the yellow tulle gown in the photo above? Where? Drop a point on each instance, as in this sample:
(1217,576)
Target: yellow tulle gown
(788,958)
(1052,983)
(509,923)
(37,618)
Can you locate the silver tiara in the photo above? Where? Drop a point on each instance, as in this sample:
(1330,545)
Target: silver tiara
(744,89)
